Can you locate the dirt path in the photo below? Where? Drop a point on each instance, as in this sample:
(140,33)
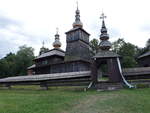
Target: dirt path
(90,104)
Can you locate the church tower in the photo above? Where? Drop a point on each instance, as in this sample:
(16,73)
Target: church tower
(57,43)
(77,40)
(105,45)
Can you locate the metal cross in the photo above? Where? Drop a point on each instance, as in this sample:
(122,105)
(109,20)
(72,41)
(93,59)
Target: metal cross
(77,4)
(43,43)
(57,30)
(102,16)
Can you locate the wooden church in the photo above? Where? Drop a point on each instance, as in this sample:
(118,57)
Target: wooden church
(76,57)
(78,65)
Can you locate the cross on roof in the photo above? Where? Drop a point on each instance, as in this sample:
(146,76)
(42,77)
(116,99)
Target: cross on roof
(43,43)
(77,4)
(57,30)
(102,16)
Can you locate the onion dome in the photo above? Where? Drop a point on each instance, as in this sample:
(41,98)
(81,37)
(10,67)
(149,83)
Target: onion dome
(104,35)
(42,49)
(77,22)
(57,43)
(104,44)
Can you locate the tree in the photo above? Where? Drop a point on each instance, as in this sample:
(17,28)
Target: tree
(94,45)
(148,44)
(117,45)
(128,52)
(16,64)
(3,68)
(43,50)
(7,65)
(145,49)
(24,57)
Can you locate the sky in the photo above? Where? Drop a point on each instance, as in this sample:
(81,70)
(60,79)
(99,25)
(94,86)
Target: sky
(30,22)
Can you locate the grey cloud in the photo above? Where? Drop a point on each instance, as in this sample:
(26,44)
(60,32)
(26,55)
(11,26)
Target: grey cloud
(145,28)
(32,38)
(114,32)
(7,42)
(6,46)
(5,22)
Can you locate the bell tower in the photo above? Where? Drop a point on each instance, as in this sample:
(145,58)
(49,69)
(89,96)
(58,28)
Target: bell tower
(77,40)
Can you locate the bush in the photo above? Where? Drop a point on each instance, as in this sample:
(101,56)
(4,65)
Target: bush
(142,86)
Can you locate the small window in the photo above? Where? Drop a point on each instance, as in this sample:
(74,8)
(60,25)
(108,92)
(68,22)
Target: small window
(45,62)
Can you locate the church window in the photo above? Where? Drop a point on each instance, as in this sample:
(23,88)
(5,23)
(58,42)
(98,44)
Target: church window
(44,62)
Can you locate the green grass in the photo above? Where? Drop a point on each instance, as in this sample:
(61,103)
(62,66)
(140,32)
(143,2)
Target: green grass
(103,79)
(73,100)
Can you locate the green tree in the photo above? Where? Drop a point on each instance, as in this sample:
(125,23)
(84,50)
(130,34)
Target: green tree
(7,65)
(94,45)
(128,52)
(117,45)
(16,64)
(3,68)
(24,57)
(43,50)
(145,49)
(148,44)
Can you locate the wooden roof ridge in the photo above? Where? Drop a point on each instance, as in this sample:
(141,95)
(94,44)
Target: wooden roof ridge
(144,55)
(42,77)
(76,28)
(51,52)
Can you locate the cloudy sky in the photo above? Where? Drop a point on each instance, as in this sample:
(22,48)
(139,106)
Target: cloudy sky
(32,21)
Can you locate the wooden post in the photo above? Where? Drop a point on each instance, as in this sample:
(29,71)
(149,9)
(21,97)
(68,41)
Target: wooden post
(44,86)
(113,69)
(8,86)
(94,71)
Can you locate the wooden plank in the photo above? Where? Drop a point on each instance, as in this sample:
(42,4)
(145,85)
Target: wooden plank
(137,77)
(70,84)
(47,77)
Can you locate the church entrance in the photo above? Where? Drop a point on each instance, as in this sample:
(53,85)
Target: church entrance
(105,69)
(102,71)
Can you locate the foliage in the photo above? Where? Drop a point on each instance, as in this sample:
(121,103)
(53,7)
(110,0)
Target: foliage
(43,50)
(145,49)
(16,64)
(128,51)
(148,44)
(142,86)
(24,58)
(94,45)
(117,45)
(7,65)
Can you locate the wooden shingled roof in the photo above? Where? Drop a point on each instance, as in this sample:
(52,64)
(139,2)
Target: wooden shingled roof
(30,67)
(42,77)
(74,29)
(144,55)
(52,52)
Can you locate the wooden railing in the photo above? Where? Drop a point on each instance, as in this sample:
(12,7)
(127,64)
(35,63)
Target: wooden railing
(82,78)
(137,73)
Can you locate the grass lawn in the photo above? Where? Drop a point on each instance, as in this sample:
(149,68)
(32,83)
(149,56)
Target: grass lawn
(73,100)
